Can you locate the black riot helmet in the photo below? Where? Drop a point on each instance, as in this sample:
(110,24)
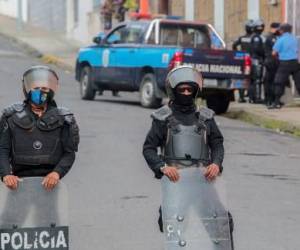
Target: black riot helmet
(259,26)
(249,25)
(39,76)
(183,75)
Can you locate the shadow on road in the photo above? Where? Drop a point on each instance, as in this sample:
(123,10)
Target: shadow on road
(117,102)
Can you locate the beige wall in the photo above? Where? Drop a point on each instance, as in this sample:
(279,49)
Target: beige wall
(236,14)
(177,7)
(235,17)
(204,11)
(270,13)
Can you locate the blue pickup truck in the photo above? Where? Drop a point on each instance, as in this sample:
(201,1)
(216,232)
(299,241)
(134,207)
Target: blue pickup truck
(137,55)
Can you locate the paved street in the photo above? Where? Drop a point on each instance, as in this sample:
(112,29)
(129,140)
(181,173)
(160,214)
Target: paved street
(113,196)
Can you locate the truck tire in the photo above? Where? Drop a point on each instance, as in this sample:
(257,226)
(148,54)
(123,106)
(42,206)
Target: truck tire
(218,103)
(86,86)
(147,92)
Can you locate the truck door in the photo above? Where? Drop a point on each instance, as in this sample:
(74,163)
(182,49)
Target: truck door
(109,68)
(125,54)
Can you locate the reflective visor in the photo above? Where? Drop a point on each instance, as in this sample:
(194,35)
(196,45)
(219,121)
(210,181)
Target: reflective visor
(39,78)
(184,74)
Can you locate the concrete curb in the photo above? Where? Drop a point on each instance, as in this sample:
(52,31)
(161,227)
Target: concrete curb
(257,119)
(52,59)
(28,48)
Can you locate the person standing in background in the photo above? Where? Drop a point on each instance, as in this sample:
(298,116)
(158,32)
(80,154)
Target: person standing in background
(271,64)
(244,43)
(286,49)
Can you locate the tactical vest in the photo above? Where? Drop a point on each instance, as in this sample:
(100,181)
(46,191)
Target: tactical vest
(36,141)
(185,145)
(246,43)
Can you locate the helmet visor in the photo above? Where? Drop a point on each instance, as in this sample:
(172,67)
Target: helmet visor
(40,78)
(184,75)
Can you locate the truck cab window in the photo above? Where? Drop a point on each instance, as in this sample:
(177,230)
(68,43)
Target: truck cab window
(169,35)
(202,40)
(125,34)
(187,36)
(116,36)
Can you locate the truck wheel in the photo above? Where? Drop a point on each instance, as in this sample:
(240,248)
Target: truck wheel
(218,103)
(147,92)
(86,89)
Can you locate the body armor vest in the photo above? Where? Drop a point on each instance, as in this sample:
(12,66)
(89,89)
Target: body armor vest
(246,43)
(36,141)
(186,144)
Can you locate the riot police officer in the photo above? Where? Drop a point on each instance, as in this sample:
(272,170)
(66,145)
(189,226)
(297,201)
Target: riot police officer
(244,43)
(173,126)
(271,63)
(37,138)
(257,56)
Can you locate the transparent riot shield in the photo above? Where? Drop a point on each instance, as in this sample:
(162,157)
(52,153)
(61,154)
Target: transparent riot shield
(32,217)
(194,212)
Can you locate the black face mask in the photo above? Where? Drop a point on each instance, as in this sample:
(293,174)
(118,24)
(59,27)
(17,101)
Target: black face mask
(184,100)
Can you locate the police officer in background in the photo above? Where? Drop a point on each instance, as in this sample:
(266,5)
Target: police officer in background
(37,138)
(257,56)
(183,84)
(244,43)
(286,49)
(271,63)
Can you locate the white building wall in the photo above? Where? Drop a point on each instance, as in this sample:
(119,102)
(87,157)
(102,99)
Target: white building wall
(253,9)
(219,20)
(189,10)
(10,8)
(80,30)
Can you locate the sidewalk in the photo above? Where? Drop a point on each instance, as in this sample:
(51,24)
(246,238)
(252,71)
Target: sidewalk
(284,120)
(51,47)
(56,49)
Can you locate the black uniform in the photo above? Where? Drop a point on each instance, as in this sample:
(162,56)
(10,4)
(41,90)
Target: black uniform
(187,116)
(271,65)
(257,56)
(243,43)
(33,146)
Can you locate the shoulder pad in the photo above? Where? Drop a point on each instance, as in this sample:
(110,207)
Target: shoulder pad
(68,115)
(206,113)
(10,110)
(162,114)
(64,111)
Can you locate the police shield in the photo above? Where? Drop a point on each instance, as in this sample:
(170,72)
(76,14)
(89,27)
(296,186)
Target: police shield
(194,212)
(32,217)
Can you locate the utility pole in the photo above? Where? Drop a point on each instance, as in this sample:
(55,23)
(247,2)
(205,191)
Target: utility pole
(20,16)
